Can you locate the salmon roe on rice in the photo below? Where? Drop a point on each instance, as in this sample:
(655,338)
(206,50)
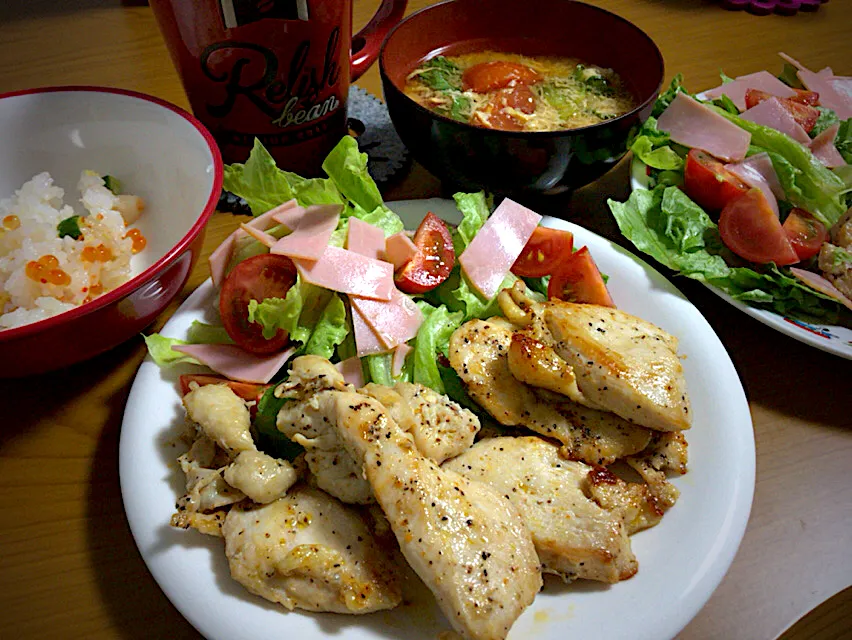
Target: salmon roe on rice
(47,267)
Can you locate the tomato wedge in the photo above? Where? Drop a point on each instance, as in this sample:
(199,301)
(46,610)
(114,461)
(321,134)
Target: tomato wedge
(802,111)
(805,233)
(543,251)
(709,183)
(750,228)
(257,278)
(245,390)
(434,260)
(488,76)
(803,96)
(578,279)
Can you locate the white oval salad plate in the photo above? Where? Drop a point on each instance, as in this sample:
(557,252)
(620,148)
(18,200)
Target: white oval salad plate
(681,561)
(826,337)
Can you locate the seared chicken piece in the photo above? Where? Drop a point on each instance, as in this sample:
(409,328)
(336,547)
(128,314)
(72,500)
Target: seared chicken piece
(222,416)
(621,363)
(466,543)
(307,550)
(261,477)
(206,489)
(304,422)
(441,428)
(573,535)
(479,354)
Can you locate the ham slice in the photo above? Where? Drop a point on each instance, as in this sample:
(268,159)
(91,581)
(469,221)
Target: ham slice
(835,92)
(399,354)
(366,239)
(235,363)
(349,272)
(752,173)
(822,285)
(261,236)
(493,251)
(395,321)
(762,80)
(351,371)
(367,342)
(771,113)
(693,124)
(221,255)
(311,234)
(823,147)
(399,250)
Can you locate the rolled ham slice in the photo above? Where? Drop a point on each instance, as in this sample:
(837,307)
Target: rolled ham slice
(399,250)
(690,123)
(349,272)
(221,255)
(236,363)
(351,371)
(822,285)
(395,321)
(399,354)
(823,147)
(310,237)
(493,251)
(771,113)
(762,80)
(367,341)
(366,239)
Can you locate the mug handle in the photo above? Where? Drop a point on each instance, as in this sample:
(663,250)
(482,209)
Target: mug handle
(368,41)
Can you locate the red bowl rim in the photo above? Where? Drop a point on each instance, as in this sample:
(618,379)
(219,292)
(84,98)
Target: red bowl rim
(128,287)
(524,134)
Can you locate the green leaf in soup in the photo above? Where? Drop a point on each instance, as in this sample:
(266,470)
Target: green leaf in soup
(259,181)
(441,74)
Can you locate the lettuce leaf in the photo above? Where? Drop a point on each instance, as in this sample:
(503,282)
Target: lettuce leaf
(160,348)
(475,209)
(676,232)
(843,141)
(330,330)
(259,181)
(652,147)
(269,439)
(665,98)
(347,167)
(203,333)
(433,339)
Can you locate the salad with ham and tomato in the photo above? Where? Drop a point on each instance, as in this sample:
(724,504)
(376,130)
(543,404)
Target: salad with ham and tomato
(325,267)
(750,187)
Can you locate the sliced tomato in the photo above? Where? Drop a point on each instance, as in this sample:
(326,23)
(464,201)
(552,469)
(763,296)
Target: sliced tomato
(544,250)
(806,233)
(750,228)
(245,390)
(578,279)
(434,260)
(709,183)
(798,106)
(503,104)
(265,276)
(804,96)
(488,76)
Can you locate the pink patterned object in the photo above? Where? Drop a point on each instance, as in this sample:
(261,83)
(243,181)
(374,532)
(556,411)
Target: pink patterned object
(765,7)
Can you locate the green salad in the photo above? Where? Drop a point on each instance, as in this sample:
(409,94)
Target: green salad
(666,222)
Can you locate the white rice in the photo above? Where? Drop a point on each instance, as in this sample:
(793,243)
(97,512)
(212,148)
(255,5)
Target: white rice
(28,232)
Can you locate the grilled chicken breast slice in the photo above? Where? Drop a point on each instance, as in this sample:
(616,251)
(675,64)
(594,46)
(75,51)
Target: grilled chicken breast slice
(307,550)
(466,542)
(479,354)
(573,536)
(623,363)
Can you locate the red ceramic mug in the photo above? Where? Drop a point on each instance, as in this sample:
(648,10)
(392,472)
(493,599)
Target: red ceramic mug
(276,70)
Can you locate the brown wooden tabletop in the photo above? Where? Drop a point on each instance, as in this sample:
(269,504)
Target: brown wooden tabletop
(68,564)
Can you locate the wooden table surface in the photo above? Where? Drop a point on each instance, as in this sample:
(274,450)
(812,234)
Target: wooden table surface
(68,564)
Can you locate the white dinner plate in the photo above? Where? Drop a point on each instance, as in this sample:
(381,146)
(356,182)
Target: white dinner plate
(827,337)
(681,561)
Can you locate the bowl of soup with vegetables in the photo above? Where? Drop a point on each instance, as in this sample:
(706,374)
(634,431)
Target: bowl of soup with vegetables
(518,97)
